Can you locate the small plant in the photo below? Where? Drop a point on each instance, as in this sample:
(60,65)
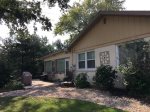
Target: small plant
(81,81)
(105,76)
(14,85)
(137,80)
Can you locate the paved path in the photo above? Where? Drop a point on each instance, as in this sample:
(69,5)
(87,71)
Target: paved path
(45,89)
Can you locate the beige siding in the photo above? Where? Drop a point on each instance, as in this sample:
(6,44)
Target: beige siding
(113,62)
(117,29)
(112,52)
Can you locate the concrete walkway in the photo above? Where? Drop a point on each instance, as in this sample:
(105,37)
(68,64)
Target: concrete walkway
(40,84)
(45,89)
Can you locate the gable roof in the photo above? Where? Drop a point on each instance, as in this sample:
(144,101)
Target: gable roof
(94,21)
(52,54)
(98,17)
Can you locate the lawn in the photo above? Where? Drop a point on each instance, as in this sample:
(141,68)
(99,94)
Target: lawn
(34,104)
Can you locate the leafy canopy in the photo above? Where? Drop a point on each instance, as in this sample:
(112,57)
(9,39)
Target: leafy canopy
(77,17)
(18,13)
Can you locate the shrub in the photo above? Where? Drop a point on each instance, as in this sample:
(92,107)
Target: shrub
(14,85)
(137,71)
(5,75)
(104,78)
(81,81)
(137,81)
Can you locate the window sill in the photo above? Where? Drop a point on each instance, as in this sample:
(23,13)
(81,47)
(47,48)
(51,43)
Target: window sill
(87,70)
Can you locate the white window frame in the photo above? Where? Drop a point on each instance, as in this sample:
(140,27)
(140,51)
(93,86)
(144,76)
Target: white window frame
(117,55)
(81,60)
(86,68)
(90,59)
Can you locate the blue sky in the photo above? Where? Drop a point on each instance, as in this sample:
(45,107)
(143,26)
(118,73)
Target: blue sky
(54,14)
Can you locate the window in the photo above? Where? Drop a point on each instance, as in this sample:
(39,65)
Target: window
(81,58)
(91,59)
(86,60)
(54,66)
(67,66)
(48,66)
(131,50)
(60,65)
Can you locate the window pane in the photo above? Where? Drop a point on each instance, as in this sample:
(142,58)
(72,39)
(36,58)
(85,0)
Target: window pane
(82,57)
(91,64)
(81,64)
(67,65)
(61,65)
(90,55)
(131,50)
(54,66)
(48,66)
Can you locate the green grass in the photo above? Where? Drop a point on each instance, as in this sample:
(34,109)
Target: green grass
(34,104)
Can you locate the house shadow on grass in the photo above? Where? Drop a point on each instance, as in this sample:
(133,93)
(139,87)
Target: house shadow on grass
(91,95)
(123,93)
(33,104)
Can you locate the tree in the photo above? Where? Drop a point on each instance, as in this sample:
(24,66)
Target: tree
(67,42)
(21,53)
(58,45)
(18,13)
(77,17)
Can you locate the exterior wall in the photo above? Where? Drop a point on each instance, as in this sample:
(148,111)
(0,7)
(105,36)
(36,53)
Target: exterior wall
(113,62)
(104,37)
(90,75)
(59,76)
(113,55)
(117,29)
(67,56)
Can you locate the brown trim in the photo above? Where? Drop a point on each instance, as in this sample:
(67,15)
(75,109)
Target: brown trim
(125,13)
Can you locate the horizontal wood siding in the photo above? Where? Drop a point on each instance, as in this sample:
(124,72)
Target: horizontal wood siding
(117,29)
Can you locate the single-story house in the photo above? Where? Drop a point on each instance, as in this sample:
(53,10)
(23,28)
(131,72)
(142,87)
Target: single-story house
(101,42)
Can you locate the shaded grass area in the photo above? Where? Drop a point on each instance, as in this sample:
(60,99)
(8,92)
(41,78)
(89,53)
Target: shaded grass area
(7,90)
(144,99)
(37,104)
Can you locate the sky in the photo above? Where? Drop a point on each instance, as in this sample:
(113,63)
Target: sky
(54,14)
